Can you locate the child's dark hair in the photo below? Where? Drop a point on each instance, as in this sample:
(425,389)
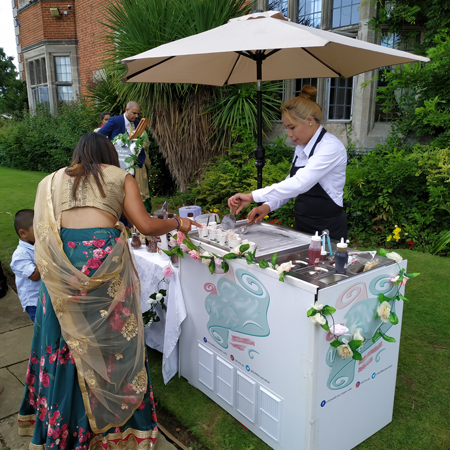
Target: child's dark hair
(23,220)
(103,114)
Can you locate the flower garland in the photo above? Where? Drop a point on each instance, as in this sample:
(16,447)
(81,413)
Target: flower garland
(183,245)
(124,141)
(157,298)
(349,348)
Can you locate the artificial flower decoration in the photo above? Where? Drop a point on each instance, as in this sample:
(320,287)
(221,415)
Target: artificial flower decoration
(345,351)
(395,256)
(339,329)
(384,311)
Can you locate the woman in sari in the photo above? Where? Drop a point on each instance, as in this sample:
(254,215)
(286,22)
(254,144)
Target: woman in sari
(88,384)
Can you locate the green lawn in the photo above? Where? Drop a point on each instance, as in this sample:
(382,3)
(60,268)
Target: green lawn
(17,191)
(422,399)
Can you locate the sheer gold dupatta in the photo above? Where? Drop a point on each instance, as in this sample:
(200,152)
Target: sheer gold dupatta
(100,317)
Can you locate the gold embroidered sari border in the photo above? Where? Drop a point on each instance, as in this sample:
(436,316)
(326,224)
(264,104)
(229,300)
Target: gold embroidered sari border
(125,440)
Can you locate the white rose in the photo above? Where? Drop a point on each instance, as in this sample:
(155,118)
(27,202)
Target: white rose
(384,311)
(206,261)
(395,256)
(317,318)
(338,329)
(357,336)
(236,250)
(345,351)
(285,267)
(159,297)
(318,307)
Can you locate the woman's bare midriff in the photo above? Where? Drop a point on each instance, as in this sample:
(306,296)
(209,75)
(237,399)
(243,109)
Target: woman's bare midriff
(87,217)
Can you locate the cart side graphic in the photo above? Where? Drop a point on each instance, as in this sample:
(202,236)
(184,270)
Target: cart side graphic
(236,307)
(361,314)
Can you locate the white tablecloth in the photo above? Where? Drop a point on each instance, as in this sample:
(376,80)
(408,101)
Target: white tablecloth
(162,336)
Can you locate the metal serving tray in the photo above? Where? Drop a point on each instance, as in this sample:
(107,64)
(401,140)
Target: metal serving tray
(268,237)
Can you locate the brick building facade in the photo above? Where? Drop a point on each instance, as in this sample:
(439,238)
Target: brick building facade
(60,47)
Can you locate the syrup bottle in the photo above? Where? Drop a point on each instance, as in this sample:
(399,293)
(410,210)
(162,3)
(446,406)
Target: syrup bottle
(314,250)
(341,257)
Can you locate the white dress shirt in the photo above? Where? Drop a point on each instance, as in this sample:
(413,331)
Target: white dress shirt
(127,126)
(23,266)
(327,167)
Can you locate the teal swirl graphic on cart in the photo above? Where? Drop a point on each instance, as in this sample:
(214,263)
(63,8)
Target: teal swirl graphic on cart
(238,308)
(360,315)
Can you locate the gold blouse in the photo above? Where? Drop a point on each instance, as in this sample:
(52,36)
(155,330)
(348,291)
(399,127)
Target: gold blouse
(88,193)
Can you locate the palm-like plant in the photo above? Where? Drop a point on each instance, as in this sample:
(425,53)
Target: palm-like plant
(177,121)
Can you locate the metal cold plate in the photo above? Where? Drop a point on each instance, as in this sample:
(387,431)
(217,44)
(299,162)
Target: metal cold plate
(268,237)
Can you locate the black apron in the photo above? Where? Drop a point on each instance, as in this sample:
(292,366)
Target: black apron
(314,210)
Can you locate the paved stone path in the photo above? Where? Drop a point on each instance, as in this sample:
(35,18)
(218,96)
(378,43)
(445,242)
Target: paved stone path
(16,332)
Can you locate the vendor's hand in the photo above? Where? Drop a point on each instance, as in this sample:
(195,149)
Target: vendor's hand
(187,224)
(240,201)
(257,214)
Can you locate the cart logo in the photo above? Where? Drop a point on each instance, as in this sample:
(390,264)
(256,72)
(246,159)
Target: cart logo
(242,309)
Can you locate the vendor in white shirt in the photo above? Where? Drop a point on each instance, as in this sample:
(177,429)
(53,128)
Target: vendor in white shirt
(317,175)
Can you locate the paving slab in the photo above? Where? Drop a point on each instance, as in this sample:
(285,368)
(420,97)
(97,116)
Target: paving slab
(15,346)
(163,444)
(19,371)
(12,313)
(10,435)
(12,395)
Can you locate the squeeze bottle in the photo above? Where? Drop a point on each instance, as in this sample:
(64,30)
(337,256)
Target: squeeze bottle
(341,257)
(315,248)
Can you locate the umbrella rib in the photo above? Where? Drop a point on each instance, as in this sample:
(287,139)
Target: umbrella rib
(148,68)
(325,64)
(234,65)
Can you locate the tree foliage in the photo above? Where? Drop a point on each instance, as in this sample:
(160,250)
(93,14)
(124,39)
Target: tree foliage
(13,92)
(420,91)
(187,121)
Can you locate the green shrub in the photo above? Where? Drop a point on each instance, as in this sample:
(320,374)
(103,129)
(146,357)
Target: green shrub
(235,172)
(408,188)
(41,141)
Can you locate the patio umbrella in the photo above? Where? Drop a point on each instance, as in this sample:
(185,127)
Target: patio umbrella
(260,47)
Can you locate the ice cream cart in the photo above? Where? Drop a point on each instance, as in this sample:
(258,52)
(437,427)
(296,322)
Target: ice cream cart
(249,346)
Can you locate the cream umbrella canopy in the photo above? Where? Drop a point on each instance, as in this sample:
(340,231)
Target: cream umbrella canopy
(260,47)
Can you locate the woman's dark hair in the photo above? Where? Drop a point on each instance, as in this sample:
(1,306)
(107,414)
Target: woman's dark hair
(92,150)
(103,114)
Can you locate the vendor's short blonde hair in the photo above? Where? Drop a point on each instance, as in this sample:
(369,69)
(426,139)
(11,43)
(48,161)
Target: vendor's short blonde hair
(299,108)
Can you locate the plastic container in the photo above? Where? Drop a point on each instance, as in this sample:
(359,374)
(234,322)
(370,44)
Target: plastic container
(341,257)
(163,211)
(135,241)
(315,248)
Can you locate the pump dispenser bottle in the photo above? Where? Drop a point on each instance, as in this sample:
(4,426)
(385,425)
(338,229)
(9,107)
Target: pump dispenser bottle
(315,248)
(341,257)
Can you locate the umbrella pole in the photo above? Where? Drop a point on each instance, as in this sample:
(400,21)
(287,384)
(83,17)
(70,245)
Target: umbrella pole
(259,150)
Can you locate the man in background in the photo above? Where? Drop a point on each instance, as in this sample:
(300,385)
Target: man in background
(126,123)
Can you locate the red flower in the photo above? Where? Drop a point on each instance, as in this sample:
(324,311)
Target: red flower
(34,360)
(99,243)
(48,349)
(71,244)
(94,263)
(30,378)
(52,358)
(44,379)
(142,405)
(116,322)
